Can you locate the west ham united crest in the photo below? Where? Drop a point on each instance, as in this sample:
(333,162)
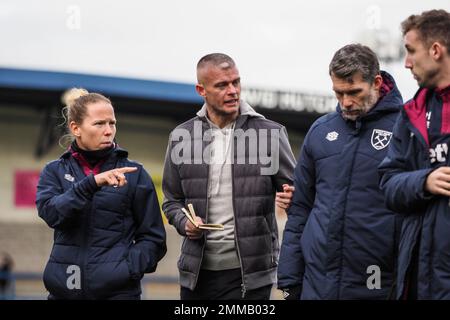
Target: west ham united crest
(380,139)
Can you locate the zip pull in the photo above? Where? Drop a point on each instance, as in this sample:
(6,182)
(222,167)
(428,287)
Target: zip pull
(244,290)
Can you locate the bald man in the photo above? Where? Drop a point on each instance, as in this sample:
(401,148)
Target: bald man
(228,162)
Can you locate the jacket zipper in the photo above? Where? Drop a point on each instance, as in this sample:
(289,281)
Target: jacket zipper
(89,215)
(243,285)
(244,288)
(84,246)
(358,137)
(204,242)
(206,220)
(272,248)
(84,252)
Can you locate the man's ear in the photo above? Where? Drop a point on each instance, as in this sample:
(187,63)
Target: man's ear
(200,89)
(378,81)
(74,128)
(436,50)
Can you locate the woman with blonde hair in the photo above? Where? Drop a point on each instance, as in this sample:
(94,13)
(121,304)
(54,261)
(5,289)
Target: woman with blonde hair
(108,229)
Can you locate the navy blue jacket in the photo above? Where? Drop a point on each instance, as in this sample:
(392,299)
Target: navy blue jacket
(338,227)
(426,217)
(109,236)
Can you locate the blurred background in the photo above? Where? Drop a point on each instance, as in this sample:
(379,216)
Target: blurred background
(142,54)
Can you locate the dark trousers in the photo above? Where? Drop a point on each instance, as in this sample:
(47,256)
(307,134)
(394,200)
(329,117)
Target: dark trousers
(223,285)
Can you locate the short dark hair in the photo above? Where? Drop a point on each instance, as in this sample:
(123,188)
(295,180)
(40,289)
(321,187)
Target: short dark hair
(433,25)
(215,59)
(352,59)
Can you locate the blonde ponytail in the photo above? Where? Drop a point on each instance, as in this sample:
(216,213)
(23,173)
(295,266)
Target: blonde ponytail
(69,97)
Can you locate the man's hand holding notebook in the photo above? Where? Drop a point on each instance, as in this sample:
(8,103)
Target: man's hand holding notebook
(206,226)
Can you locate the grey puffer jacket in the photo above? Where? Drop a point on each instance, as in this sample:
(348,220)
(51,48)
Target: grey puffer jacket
(185,180)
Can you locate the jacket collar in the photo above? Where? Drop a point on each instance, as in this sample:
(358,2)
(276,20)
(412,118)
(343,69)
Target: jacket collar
(416,109)
(118,152)
(245,111)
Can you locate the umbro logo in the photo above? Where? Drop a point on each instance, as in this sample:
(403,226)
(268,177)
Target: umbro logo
(331,136)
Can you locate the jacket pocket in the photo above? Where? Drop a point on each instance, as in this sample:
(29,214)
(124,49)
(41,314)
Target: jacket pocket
(63,281)
(271,238)
(107,278)
(180,262)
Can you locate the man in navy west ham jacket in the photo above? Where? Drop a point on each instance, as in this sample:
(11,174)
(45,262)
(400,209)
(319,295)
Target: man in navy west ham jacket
(340,239)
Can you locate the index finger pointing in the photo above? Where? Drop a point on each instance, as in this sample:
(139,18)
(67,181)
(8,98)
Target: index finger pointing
(126,169)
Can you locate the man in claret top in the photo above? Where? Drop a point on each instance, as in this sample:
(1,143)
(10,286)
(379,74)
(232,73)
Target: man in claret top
(416,172)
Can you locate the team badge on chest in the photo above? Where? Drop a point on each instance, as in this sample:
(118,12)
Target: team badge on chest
(380,138)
